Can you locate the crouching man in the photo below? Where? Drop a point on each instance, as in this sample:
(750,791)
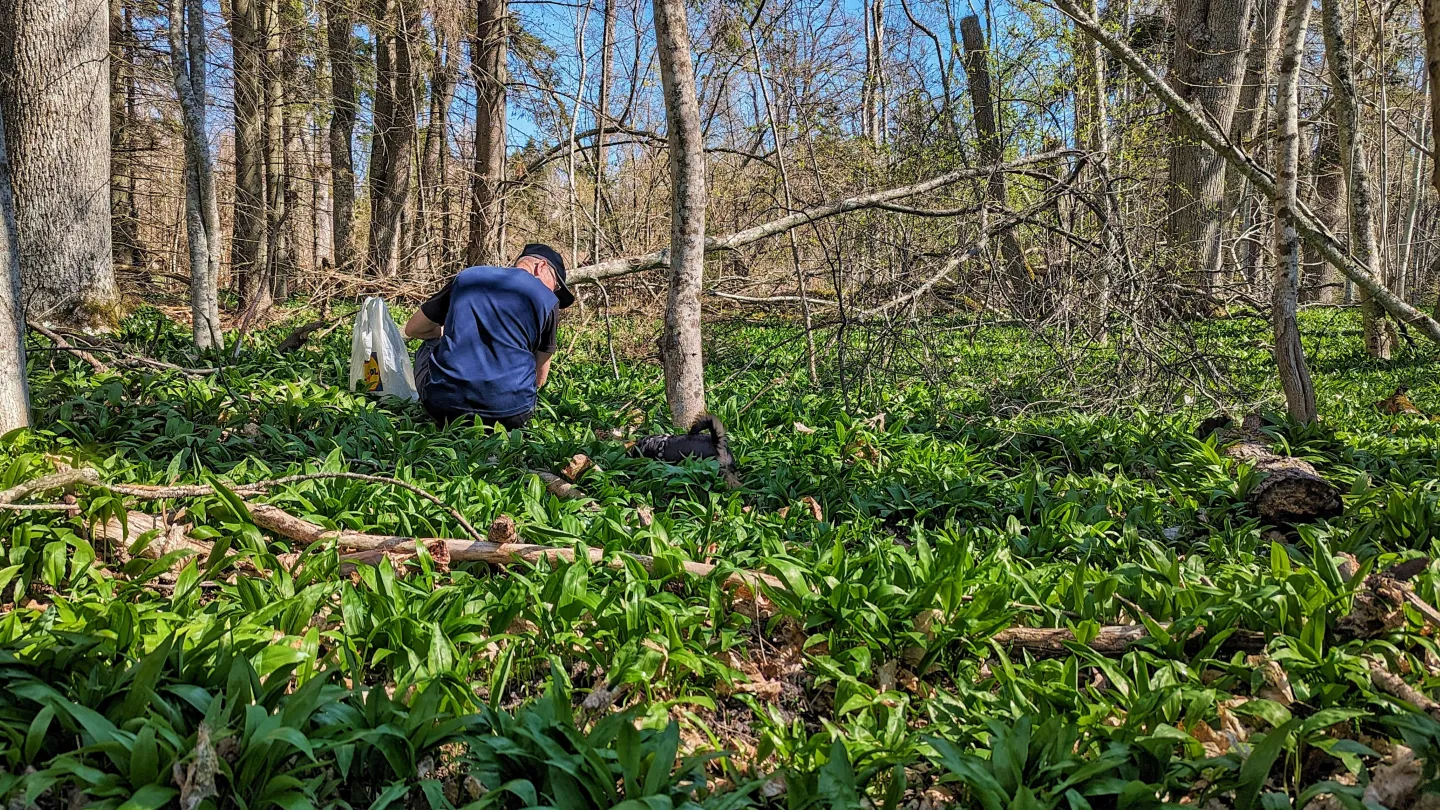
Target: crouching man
(488,339)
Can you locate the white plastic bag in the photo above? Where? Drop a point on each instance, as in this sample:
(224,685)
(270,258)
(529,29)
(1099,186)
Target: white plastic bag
(377,353)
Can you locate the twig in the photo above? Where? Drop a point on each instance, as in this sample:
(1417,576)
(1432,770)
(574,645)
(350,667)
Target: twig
(58,480)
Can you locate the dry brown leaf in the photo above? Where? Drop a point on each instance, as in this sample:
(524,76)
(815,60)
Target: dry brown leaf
(1277,683)
(885,676)
(801,427)
(645,514)
(439,553)
(579,464)
(1399,403)
(197,780)
(814,506)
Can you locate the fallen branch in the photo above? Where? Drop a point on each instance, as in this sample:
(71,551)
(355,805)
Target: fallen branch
(58,480)
(64,345)
(1112,640)
(1393,685)
(1292,490)
(558,486)
(649,261)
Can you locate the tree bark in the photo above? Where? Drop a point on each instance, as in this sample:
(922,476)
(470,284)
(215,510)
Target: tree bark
(1364,243)
(54,82)
(250,250)
(340,46)
(125,225)
(872,93)
(1284,297)
(680,346)
(1430,23)
(443,79)
(1206,70)
(602,113)
(394,135)
(992,148)
(1095,137)
(486,244)
(273,133)
(1331,204)
(1315,235)
(14,396)
(202,212)
(1250,109)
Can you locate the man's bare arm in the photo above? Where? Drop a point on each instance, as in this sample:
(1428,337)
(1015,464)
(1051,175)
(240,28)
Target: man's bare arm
(542,368)
(422,328)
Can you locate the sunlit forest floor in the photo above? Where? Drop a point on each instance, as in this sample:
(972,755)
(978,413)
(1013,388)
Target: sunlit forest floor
(930,492)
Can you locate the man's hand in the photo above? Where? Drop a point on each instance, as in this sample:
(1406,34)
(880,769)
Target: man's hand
(420,327)
(542,368)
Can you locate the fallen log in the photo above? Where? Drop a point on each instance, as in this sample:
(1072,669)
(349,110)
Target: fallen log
(1395,686)
(1111,640)
(1291,491)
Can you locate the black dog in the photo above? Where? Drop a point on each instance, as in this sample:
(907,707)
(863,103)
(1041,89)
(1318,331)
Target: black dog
(695,444)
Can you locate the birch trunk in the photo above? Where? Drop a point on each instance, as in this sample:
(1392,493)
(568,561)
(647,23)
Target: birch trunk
(442,93)
(487,205)
(992,148)
(602,113)
(1206,71)
(1198,126)
(54,82)
(14,398)
(1284,297)
(202,212)
(339,39)
(1096,138)
(680,347)
(1364,243)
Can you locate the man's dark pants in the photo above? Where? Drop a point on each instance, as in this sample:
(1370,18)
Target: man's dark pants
(424,361)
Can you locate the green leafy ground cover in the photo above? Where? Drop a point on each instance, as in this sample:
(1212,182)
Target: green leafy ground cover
(583,686)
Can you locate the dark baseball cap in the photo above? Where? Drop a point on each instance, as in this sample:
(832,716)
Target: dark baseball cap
(552,256)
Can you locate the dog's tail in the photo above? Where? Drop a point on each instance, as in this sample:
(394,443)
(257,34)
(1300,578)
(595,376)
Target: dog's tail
(708,422)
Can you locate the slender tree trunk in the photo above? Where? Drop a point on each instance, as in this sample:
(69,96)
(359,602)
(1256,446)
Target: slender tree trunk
(54,87)
(680,346)
(14,396)
(602,112)
(1330,204)
(126,227)
(1096,138)
(202,212)
(1207,70)
(273,129)
(250,250)
(487,204)
(339,38)
(1250,109)
(291,22)
(397,23)
(873,92)
(442,93)
(1289,353)
(1430,22)
(992,148)
(1364,243)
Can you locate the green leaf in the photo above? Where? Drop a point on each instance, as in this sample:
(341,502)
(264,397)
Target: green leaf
(1256,769)
(150,797)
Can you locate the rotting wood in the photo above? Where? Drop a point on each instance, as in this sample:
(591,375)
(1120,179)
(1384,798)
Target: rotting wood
(1292,491)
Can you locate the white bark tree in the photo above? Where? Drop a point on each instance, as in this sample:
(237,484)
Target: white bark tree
(1284,297)
(14,398)
(680,347)
(1364,243)
(54,96)
(202,212)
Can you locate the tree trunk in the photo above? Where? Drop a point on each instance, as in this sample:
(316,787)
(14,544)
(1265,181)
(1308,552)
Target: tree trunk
(394,138)
(1207,69)
(202,212)
(680,347)
(250,250)
(487,204)
(273,129)
(1250,109)
(54,98)
(14,398)
(125,227)
(1095,137)
(872,93)
(1284,297)
(339,38)
(1364,243)
(1291,491)
(1331,204)
(1195,122)
(442,93)
(1430,22)
(992,147)
(602,113)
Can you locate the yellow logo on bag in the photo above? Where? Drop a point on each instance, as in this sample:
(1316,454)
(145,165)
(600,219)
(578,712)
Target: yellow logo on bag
(372,374)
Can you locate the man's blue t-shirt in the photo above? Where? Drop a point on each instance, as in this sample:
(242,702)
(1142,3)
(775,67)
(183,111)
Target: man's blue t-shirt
(496,319)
